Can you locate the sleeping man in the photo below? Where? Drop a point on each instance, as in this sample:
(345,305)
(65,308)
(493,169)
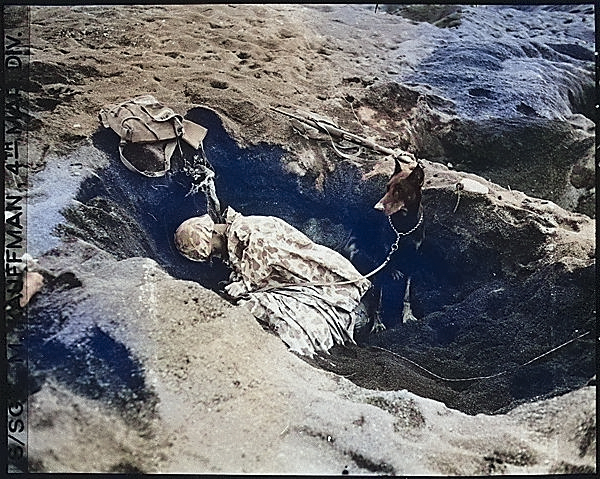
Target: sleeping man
(306,293)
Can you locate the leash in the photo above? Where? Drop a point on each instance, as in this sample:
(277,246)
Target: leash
(393,249)
(479,378)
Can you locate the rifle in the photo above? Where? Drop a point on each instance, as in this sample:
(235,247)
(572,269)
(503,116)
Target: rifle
(327,126)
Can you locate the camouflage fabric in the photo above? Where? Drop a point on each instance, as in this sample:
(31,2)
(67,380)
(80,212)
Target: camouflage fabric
(267,252)
(193,237)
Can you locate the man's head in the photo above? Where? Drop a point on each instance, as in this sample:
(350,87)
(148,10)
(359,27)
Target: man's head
(193,238)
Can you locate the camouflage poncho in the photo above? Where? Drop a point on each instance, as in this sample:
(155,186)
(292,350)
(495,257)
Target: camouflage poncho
(266,252)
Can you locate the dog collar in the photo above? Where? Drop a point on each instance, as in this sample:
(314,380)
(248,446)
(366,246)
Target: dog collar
(409,232)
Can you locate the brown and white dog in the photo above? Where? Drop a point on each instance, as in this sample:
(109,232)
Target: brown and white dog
(402,204)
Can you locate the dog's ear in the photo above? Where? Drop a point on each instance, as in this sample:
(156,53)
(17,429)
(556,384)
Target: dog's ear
(417,176)
(397,166)
(403,164)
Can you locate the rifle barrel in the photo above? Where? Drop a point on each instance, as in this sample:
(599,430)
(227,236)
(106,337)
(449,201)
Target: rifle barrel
(343,134)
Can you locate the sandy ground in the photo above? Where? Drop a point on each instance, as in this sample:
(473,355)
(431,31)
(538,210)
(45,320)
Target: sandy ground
(237,59)
(230,398)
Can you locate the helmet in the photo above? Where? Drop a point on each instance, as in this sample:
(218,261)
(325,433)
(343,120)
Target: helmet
(193,237)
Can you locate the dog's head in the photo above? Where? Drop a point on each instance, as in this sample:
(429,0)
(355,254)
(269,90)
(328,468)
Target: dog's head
(403,190)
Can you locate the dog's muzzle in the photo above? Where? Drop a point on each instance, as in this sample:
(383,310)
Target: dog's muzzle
(380,206)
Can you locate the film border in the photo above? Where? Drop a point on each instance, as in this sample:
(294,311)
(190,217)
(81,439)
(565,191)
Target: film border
(16,42)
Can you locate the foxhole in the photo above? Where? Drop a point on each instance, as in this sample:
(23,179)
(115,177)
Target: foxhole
(462,333)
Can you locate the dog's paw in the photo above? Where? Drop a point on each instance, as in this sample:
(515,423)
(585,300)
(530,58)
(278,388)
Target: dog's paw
(407,314)
(378,327)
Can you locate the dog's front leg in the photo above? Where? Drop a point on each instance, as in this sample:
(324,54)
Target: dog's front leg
(378,326)
(407,314)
